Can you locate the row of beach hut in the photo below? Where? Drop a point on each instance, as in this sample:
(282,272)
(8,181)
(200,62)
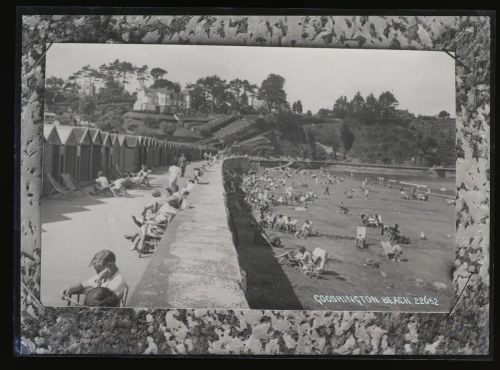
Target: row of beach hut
(83,152)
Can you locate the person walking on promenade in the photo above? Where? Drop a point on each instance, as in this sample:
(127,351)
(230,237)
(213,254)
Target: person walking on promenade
(182,163)
(173,175)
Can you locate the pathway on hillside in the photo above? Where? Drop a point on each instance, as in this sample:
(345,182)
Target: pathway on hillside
(74,230)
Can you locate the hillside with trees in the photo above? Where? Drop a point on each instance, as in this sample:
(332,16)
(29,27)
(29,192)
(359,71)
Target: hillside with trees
(224,113)
(373,130)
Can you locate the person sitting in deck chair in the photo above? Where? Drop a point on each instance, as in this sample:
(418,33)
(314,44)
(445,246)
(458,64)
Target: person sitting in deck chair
(392,252)
(144,175)
(108,276)
(101,184)
(303,256)
(305,231)
(184,203)
(140,178)
(176,193)
(275,241)
(164,215)
(280,223)
(119,186)
(292,225)
(150,209)
(189,187)
(269,220)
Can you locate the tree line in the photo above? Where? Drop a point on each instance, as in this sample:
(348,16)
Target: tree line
(216,95)
(371,110)
(211,94)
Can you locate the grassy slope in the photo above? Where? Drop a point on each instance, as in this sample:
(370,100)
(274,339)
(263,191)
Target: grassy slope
(374,143)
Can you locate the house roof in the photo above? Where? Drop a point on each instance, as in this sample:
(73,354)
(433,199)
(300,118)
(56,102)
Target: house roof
(67,135)
(82,135)
(114,140)
(121,140)
(96,136)
(50,135)
(106,139)
(132,141)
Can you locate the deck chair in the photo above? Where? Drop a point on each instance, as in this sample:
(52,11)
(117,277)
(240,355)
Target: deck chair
(391,252)
(151,239)
(374,220)
(70,183)
(361,237)
(57,188)
(318,261)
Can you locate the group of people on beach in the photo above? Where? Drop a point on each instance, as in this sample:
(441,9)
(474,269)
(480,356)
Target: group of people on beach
(108,287)
(119,186)
(269,187)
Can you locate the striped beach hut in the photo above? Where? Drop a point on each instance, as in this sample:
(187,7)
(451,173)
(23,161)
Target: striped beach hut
(115,153)
(51,157)
(152,159)
(131,155)
(84,160)
(106,153)
(145,143)
(97,148)
(163,151)
(123,145)
(68,151)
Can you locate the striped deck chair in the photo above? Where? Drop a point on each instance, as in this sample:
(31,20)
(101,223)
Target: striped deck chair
(391,252)
(57,188)
(70,183)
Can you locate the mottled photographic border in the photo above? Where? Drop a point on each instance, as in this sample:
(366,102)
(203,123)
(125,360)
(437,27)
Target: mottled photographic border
(463,331)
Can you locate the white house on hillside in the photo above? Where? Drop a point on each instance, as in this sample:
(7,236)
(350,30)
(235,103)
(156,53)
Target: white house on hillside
(161,100)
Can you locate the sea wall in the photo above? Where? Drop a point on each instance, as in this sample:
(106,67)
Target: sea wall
(195,265)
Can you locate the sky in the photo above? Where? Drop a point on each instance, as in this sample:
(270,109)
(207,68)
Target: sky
(422,81)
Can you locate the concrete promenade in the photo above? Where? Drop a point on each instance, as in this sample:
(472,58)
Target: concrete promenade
(196,265)
(74,230)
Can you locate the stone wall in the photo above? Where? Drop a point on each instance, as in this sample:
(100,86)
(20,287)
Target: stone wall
(195,265)
(175,331)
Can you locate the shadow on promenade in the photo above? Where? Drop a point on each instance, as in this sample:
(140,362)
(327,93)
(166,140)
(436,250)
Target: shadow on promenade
(58,209)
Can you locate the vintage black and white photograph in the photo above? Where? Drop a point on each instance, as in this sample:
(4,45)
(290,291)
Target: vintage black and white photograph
(230,177)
